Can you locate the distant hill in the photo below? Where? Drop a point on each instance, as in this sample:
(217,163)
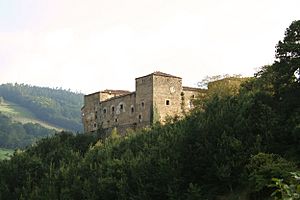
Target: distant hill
(17,135)
(52,108)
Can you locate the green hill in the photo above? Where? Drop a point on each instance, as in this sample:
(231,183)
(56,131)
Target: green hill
(23,115)
(49,107)
(5,153)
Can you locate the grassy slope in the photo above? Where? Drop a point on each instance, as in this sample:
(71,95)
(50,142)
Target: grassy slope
(5,153)
(23,115)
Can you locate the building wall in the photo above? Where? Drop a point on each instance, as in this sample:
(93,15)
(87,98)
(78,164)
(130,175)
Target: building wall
(144,100)
(89,111)
(166,97)
(156,97)
(117,111)
(189,95)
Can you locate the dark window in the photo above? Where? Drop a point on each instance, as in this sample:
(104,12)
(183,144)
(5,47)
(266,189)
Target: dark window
(116,120)
(132,109)
(167,102)
(193,96)
(112,110)
(143,104)
(95,125)
(140,118)
(121,107)
(104,110)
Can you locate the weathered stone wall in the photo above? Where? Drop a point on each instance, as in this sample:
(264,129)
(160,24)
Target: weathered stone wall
(190,94)
(117,111)
(89,111)
(157,96)
(144,100)
(166,98)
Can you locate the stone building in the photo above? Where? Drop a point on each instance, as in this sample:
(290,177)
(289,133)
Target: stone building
(156,96)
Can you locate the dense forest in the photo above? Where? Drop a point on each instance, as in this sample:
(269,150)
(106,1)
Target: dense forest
(234,145)
(17,135)
(55,106)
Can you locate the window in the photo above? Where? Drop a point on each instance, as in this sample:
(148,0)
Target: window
(143,104)
(116,120)
(132,109)
(95,125)
(140,118)
(167,102)
(121,106)
(112,109)
(104,110)
(193,96)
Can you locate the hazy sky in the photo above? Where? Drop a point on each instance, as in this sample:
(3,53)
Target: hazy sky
(91,45)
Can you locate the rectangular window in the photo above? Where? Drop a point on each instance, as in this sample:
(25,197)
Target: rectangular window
(121,107)
(112,110)
(167,102)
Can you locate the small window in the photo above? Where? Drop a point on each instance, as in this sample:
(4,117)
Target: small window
(167,102)
(95,125)
(112,110)
(191,105)
(132,109)
(193,96)
(140,118)
(116,120)
(104,110)
(121,106)
(143,104)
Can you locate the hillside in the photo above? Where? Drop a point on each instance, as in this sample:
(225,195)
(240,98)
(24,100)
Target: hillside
(14,134)
(233,145)
(56,108)
(23,115)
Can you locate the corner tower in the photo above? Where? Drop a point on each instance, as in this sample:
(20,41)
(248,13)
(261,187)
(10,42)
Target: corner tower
(167,101)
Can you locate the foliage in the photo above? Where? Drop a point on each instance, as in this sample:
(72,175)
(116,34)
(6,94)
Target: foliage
(55,106)
(5,153)
(262,168)
(16,135)
(234,142)
(287,191)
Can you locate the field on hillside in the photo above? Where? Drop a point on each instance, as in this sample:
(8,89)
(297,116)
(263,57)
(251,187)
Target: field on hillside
(23,115)
(5,153)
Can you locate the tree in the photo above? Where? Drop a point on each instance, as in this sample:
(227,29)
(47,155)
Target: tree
(287,65)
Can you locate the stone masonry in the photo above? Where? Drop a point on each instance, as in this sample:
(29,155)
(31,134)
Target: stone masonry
(156,97)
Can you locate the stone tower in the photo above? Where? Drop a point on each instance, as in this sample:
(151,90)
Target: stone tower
(156,96)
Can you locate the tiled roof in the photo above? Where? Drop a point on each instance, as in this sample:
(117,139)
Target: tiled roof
(158,73)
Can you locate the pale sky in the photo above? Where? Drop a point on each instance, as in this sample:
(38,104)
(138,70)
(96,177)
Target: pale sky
(92,45)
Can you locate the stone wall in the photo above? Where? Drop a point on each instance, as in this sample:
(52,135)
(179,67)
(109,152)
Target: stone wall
(144,100)
(157,96)
(166,97)
(117,111)
(89,111)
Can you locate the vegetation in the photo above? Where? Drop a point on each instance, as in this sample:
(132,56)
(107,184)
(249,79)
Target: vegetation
(54,106)
(234,143)
(17,135)
(5,153)
(20,114)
